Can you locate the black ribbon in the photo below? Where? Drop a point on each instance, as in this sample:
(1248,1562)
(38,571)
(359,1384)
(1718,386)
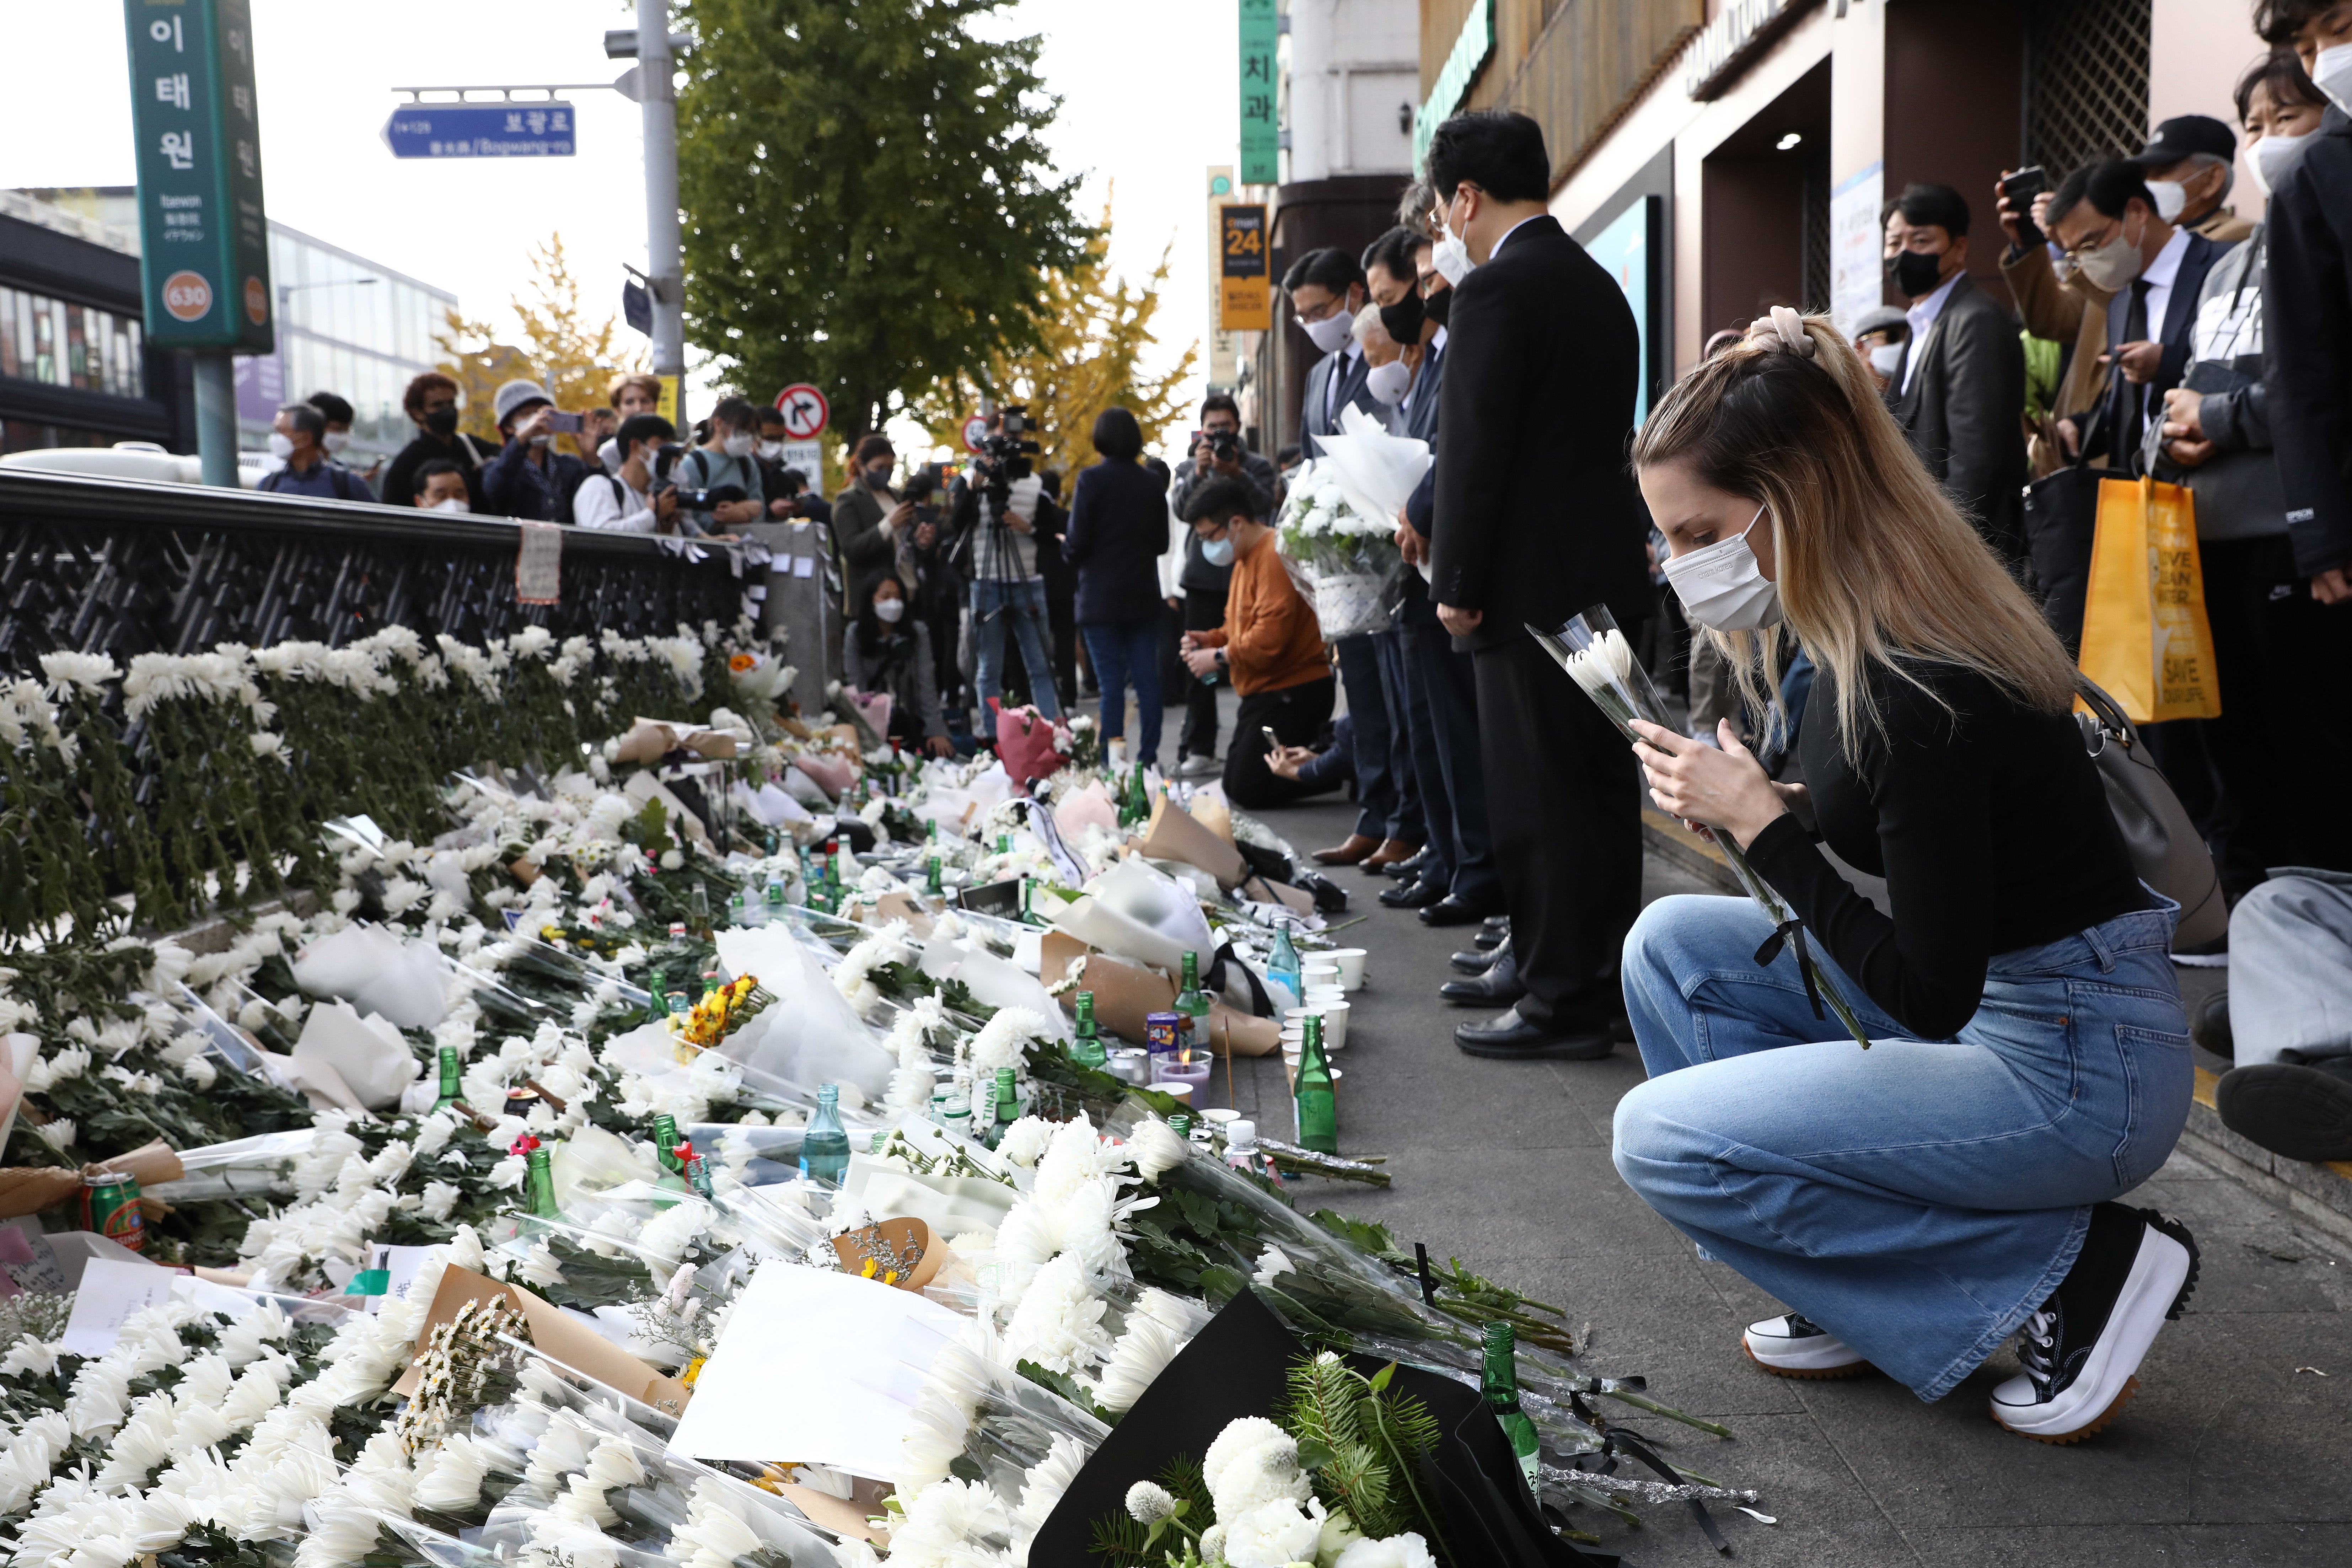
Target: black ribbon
(1420,1261)
(1792,932)
(1616,1439)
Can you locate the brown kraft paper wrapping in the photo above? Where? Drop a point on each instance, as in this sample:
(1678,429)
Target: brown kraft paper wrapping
(562,1337)
(1125,991)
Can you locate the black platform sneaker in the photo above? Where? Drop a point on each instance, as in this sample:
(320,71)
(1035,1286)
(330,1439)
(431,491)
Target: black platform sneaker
(2081,1351)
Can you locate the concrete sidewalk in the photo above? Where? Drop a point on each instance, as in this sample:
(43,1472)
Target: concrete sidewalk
(2235,1450)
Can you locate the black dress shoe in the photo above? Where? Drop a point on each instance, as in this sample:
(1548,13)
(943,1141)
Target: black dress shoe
(1507,1037)
(1477,960)
(1450,910)
(1497,923)
(1410,868)
(1499,988)
(1412,895)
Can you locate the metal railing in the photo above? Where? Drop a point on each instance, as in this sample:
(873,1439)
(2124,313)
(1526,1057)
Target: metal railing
(121,567)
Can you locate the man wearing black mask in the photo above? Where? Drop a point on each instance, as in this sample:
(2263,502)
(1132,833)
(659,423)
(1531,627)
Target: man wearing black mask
(431,402)
(1960,391)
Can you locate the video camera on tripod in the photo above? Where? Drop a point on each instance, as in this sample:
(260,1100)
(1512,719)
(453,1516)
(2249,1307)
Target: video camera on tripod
(1006,451)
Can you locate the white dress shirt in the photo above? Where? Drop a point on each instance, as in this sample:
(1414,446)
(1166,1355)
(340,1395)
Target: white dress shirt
(1429,351)
(2159,276)
(1921,319)
(1510,231)
(1340,373)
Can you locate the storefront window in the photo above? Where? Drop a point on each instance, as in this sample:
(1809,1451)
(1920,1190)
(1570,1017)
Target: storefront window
(50,341)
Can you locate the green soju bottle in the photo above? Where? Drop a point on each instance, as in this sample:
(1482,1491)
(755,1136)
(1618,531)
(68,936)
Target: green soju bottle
(1500,1383)
(1087,1050)
(697,1174)
(1318,1113)
(1193,1009)
(666,1142)
(933,887)
(1004,843)
(539,1184)
(449,1088)
(1181,1125)
(824,1146)
(735,911)
(1283,963)
(1006,1106)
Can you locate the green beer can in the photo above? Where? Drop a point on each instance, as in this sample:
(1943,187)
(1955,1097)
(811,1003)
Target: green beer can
(109,1206)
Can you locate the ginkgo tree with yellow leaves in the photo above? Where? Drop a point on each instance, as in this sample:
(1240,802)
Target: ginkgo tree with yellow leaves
(560,349)
(1093,329)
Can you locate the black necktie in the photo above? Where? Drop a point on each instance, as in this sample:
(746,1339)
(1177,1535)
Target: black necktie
(2135,332)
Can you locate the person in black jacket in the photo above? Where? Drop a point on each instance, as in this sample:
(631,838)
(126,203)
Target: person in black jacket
(1536,519)
(528,480)
(1203,606)
(2308,305)
(1118,530)
(431,403)
(1959,393)
(1916,1203)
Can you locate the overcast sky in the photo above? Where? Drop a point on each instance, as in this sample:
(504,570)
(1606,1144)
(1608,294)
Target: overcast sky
(1148,102)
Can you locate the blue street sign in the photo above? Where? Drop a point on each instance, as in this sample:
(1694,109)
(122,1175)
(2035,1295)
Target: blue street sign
(480,130)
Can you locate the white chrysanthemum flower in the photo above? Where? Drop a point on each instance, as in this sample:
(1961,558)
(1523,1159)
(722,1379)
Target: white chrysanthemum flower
(999,1042)
(441,1199)
(1043,1485)
(1156,1149)
(945,1521)
(1274,1534)
(1239,1435)
(1058,1324)
(1271,1262)
(60,1133)
(1158,1330)
(1406,1551)
(1025,1142)
(1256,1476)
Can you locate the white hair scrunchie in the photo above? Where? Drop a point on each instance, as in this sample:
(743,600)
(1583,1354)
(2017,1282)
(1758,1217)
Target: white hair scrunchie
(1785,329)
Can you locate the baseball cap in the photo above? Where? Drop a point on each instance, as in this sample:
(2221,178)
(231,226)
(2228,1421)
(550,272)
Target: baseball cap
(2183,135)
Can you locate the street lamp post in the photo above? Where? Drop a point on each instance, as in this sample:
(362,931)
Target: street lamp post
(657,101)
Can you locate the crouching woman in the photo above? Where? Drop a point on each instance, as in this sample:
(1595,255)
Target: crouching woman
(1916,1203)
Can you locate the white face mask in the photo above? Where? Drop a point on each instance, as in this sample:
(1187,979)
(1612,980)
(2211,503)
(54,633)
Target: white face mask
(1331,331)
(2331,72)
(2112,267)
(1886,358)
(1723,585)
(1452,259)
(2272,156)
(738,445)
(1390,381)
(337,440)
(542,440)
(451,503)
(2171,198)
(772,450)
(281,445)
(889,609)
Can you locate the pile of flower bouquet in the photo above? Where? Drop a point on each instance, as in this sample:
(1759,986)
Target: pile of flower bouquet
(445,1302)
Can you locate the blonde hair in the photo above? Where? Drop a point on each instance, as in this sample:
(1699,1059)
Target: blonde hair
(1874,563)
(649,384)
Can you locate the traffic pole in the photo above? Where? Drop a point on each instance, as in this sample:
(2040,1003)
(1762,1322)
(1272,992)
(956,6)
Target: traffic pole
(665,267)
(217,417)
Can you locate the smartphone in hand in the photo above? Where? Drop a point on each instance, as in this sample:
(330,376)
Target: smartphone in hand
(2020,188)
(1271,738)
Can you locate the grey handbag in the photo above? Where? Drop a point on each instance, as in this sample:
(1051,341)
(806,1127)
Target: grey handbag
(2164,845)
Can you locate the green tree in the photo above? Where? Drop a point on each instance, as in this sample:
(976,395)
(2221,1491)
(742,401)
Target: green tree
(1090,330)
(868,206)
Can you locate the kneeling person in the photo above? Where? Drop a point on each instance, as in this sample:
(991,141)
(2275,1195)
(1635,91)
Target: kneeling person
(1270,647)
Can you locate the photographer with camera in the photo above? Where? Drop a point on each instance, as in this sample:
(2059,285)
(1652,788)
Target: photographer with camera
(528,480)
(1217,453)
(996,522)
(718,481)
(634,498)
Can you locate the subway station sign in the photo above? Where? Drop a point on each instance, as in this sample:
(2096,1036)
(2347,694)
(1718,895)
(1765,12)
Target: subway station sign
(203,236)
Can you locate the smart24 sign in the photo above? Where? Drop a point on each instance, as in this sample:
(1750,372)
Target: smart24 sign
(204,234)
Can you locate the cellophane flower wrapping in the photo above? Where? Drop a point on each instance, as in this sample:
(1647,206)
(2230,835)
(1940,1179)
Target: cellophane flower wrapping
(1338,525)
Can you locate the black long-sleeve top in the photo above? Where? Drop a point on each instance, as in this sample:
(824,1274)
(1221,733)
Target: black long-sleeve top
(1988,821)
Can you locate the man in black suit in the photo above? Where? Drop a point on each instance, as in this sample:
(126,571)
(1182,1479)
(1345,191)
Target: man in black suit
(1536,519)
(2104,218)
(1327,290)
(1959,392)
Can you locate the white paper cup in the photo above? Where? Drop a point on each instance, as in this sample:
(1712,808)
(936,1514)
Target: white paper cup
(1319,972)
(1350,960)
(1335,1022)
(1221,1114)
(1180,1093)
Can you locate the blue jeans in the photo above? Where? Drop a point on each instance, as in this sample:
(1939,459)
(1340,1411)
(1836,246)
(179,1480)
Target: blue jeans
(1125,652)
(1917,1200)
(1021,606)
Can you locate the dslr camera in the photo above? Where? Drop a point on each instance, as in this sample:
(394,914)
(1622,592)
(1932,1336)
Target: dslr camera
(1007,452)
(1225,446)
(665,459)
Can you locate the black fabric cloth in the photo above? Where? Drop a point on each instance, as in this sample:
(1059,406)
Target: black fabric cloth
(1963,407)
(2284,661)
(468,452)
(1563,803)
(1988,821)
(1204,612)
(1296,714)
(2308,344)
(326,479)
(1538,518)
(2116,432)
(1118,531)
